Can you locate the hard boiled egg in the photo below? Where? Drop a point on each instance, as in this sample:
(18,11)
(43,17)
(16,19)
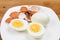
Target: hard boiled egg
(40,17)
(19,24)
(36,30)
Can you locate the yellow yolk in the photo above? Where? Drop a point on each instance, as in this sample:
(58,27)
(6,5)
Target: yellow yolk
(35,28)
(17,24)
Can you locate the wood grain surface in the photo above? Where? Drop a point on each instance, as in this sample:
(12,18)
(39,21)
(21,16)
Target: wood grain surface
(6,4)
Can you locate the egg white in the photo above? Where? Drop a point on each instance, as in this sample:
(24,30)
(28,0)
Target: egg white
(22,15)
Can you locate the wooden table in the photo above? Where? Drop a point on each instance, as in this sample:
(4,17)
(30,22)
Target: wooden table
(6,4)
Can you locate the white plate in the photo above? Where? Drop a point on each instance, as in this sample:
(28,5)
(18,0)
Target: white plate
(52,30)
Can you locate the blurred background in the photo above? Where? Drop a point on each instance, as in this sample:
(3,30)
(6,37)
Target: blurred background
(6,4)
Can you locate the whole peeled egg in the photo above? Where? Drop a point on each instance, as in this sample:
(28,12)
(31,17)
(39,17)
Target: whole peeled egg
(40,17)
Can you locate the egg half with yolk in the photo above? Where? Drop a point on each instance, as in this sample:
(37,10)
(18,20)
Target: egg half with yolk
(19,24)
(36,30)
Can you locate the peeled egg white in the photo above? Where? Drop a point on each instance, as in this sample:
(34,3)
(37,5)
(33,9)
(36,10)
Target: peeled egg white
(24,27)
(22,16)
(38,34)
(40,17)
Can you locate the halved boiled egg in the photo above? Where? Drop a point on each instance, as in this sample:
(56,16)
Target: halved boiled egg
(19,24)
(36,30)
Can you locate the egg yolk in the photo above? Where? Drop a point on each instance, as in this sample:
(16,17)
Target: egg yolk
(35,28)
(17,24)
